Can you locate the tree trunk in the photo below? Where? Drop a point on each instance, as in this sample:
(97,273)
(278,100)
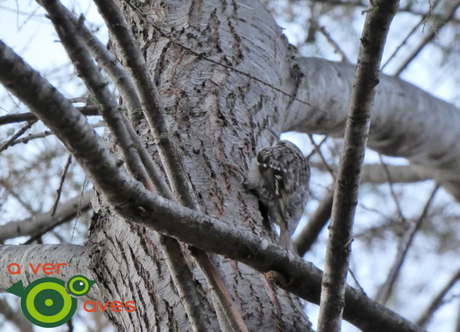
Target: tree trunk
(215,114)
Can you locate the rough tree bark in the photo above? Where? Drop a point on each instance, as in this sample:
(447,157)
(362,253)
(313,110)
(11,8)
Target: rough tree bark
(219,112)
(214,114)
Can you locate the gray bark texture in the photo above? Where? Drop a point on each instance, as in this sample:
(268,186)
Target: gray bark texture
(405,120)
(213,114)
(338,249)
(240,79)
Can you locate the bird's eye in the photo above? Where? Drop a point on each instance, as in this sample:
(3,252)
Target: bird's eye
(79,285)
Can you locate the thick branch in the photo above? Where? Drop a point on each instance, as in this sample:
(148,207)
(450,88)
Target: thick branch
(45,222)
(149,97)
(374,174)
(406,121)
(315,225)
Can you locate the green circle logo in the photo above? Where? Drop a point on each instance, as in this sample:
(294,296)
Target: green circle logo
(47,304)
(45,301)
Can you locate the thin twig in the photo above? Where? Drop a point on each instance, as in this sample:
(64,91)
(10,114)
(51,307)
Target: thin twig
(431,34)
(21,131)
(384,291)
(80,208)
(319,145)
(318,151)
(13,118)
(47,133)
(393,194)
(356,280)
(223,297)
(380,213)
(422,21)
(425,317)
(44,223)
(11,190)
(59,190)
(330,40)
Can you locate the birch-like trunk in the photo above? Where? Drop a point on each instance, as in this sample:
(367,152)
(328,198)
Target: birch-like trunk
(217,109)
(214,114)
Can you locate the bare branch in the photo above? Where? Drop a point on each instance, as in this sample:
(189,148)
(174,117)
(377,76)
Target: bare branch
(375,31)
(21,131)
(42,223)
(226,304)
(356,280)
(47,133)
(392,192)
(6,119)
(318,151)
(385,290)
(315,225)
(11,190)
(107,61)
(422,21)
(97,86)
(125,85)
(330,40)
(372,173)
(430,35)
(64,173)
(425,317)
